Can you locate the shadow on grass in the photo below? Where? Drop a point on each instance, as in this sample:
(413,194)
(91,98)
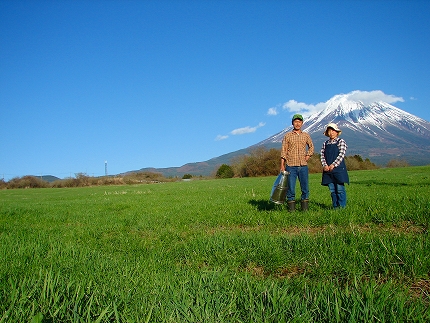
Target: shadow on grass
(321,206)
(266,205)
(372,182)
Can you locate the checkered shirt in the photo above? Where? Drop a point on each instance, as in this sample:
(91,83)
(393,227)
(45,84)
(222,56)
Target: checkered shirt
(341,144)
(295,147)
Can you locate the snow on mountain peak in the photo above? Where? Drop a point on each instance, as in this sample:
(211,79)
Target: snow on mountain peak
(358,112)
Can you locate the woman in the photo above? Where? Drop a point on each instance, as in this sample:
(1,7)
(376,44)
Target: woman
(335,174)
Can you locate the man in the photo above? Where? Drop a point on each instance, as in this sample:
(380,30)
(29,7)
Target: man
(297,148)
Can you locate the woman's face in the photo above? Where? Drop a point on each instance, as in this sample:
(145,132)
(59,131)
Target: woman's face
(332,133)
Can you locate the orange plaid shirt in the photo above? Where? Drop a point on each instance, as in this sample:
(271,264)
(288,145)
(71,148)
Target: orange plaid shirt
(295,147)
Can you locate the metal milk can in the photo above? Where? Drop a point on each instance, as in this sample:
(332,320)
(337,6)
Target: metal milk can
(280,187)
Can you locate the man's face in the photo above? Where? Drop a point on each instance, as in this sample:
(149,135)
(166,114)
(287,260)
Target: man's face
(297,124)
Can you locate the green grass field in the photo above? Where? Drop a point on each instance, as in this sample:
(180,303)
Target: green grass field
(218,251)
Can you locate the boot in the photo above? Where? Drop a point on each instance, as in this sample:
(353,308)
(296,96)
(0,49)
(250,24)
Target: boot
(305,205)
(334,200)
(291,206)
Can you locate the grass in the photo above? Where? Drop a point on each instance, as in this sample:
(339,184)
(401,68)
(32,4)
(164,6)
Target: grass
(217,251)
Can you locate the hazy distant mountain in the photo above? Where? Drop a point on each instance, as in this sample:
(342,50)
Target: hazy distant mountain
(205,168)
(378,131)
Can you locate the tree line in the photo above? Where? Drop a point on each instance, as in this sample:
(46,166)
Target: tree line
(266,162)
(82,180)
(259,162)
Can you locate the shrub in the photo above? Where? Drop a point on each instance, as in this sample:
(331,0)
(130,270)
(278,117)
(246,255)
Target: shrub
(144,177)
(27,182)
(82,179)
(3,184)
(397,163)
(352,163)
(367,164)
(263,162)
(314,164)
(356,162)
(225,171)
(187,176)
(260,162)
(109,180)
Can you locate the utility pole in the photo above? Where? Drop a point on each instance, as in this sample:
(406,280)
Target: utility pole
(106,172)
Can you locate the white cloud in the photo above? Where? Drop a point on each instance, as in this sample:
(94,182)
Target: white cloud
(413,98)
(245,130)
(295,106)
(372,96)
(303,108)
(366,97)
(220,137)
(272,112)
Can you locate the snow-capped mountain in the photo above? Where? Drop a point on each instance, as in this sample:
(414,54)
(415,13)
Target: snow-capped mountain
(377,130)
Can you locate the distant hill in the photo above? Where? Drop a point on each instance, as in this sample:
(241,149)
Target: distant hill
(205,168)
(378,131)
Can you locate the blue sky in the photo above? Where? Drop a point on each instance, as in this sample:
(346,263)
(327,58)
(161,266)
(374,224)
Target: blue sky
(164,83)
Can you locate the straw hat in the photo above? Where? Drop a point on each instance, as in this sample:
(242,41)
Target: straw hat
(334,127)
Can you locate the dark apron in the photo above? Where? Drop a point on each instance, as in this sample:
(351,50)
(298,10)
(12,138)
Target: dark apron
(339,174)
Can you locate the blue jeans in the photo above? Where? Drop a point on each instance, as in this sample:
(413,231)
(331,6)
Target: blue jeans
(302,173)
(338,194)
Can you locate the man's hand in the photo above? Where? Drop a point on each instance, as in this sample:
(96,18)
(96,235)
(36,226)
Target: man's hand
(282,164)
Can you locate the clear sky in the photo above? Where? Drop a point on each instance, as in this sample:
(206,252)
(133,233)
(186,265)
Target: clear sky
(157,83)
